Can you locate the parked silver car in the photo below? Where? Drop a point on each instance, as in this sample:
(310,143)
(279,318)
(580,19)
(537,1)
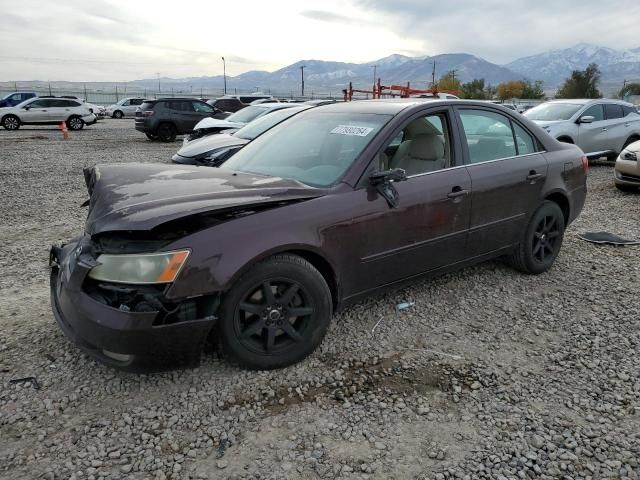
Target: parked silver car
(599,127)
(126,107)
(47,111)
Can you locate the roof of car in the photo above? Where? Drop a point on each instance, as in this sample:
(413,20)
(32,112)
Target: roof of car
(391,106)
(584,101)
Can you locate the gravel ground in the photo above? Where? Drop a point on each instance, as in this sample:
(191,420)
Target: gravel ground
(491,374)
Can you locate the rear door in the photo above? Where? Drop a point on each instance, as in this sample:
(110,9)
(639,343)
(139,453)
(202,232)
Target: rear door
(507,169)
(200,110)
(130,109)
(615,122)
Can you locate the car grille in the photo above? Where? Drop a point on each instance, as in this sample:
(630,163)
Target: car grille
(629,178)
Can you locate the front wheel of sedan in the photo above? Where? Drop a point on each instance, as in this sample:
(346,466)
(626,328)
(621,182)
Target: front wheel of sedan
(11,122)
(541,241)
(276,314)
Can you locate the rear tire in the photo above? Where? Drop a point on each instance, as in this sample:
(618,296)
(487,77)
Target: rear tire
(118,114)
(151,136)
(11,122)
(276,314)
(541,240)
(166,132)
(626,188)
(75,123)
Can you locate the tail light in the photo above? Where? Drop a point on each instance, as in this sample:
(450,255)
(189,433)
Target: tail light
(148,113)
(585,164)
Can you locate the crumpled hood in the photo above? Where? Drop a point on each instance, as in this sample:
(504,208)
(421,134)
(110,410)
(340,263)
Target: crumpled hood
(210,142)
(141,196)
(215,123)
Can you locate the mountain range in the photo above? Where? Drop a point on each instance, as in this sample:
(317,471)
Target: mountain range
(552,67)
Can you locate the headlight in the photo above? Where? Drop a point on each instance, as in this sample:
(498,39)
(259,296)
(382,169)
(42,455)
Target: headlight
(140,268)
(628,155)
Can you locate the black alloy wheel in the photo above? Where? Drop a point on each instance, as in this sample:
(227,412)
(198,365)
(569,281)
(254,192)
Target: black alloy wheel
(166,132)
(541,240)
(276,314)
(151,136)
(118,114)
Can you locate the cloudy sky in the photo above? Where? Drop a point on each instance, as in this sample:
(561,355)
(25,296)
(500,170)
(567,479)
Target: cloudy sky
(93,40)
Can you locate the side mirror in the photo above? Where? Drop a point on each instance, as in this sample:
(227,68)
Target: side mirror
(27,107)
(586,119)
(383,183)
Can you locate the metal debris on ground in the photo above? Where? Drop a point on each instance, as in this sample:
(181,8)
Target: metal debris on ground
(404,305)
(32,380)
(377,323)
(606,238)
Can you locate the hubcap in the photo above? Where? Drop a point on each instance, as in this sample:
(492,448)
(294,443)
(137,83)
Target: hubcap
(11,123)
(273,316)
(545,238)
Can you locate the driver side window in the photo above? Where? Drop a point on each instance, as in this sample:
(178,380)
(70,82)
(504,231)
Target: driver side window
(425,146)
(596,111)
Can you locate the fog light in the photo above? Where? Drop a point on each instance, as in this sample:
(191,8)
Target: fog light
(120,357)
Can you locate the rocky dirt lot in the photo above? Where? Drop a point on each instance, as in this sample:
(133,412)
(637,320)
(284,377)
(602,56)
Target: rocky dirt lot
(491,374)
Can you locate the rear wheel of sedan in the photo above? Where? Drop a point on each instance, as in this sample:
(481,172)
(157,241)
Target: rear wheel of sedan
(118,114)
(11,122)
(75,123)
(276,314)
(166,132)
(541,241)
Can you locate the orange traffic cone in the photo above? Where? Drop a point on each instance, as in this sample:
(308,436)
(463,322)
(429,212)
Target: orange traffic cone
(63,129)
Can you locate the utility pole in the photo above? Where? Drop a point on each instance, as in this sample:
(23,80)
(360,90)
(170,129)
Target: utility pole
(375,68)
(224,74)
(50,90)
(433,75)
(302,67)
(453,75)
(158,74)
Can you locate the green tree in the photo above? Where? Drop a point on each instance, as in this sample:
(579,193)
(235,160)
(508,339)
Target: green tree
(490,92)
(448,82)
(533,91)
(629,89)
(475,89)
(581,84)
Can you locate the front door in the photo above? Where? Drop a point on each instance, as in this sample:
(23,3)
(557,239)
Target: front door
(36,111)
(593,137)
(428,228)
(507,169)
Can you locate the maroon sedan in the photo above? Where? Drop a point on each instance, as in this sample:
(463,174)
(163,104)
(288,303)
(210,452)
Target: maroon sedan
(328,207)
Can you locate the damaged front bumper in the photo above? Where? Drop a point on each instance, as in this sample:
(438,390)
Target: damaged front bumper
(119,337)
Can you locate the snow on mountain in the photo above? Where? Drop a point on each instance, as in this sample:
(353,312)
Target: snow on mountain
(554,66)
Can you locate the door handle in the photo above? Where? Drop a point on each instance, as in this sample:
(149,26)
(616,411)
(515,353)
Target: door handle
(604,129)
(533,176)
(457,192)
(627,124)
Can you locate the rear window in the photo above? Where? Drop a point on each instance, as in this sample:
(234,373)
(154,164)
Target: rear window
(252,98)
(147,106)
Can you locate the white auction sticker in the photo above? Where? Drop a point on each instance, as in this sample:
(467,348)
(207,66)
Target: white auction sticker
(351,130)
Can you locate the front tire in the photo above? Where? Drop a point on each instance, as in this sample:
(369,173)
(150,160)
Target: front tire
(11,122)
(118,114)
(276,314)
(626,188)
(75,123)
(541,240)
(151,136)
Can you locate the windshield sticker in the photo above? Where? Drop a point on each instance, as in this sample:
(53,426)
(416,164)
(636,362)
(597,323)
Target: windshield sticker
(350,130)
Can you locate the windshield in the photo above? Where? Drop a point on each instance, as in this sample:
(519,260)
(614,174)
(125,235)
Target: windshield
(264,123)
(553,111)
(246,114)
(316,148)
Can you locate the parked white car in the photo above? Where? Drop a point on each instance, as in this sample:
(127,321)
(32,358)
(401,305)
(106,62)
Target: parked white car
(627,171)
(99,110)
(126,107)
(47,111)
(599,127)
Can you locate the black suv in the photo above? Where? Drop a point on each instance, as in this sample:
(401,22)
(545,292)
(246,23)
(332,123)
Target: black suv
(164,118)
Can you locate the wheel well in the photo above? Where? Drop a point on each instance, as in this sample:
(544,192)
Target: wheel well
(565,139)
(632,138)
(324,268)
(563,203)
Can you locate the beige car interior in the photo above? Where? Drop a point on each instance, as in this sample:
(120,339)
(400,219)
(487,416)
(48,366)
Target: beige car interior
(424,147)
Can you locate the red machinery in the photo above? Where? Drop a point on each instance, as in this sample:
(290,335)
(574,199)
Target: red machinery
(401,91)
